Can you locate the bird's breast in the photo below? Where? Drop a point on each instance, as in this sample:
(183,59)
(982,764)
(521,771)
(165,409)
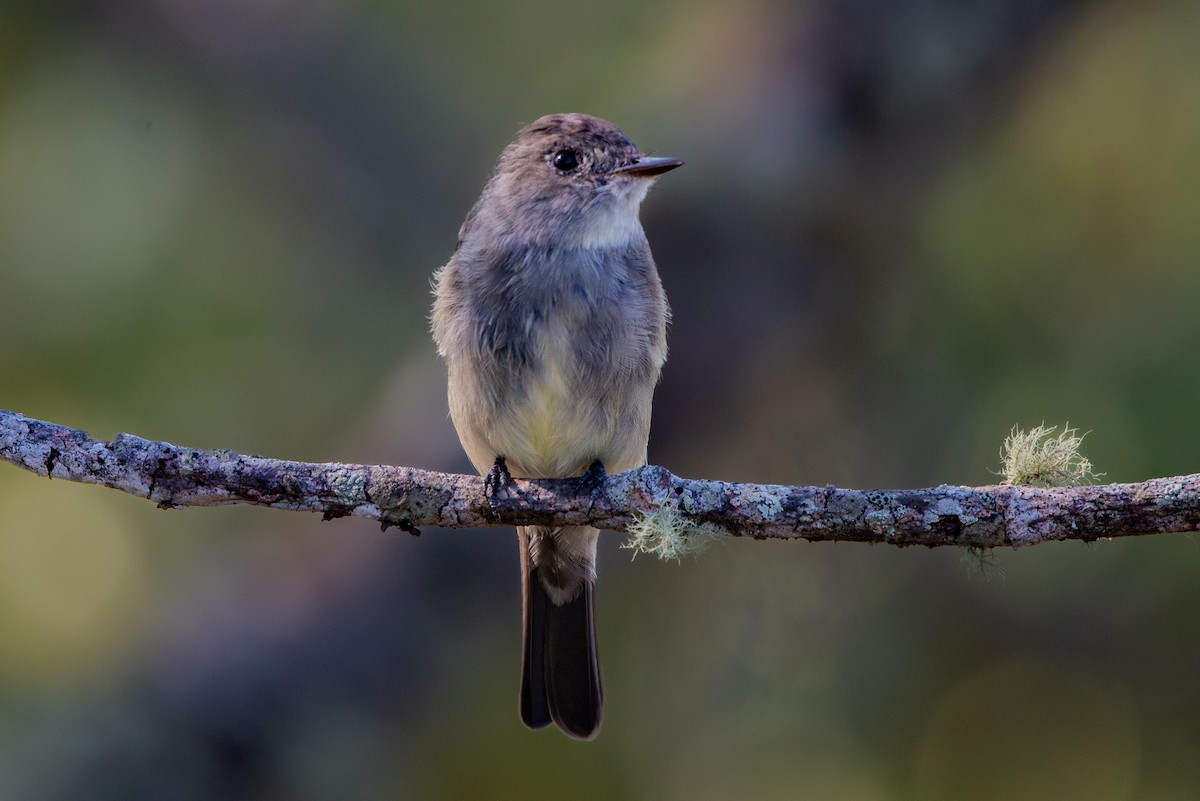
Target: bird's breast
(563,369)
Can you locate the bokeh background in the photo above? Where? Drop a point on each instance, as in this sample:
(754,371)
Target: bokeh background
(903,228)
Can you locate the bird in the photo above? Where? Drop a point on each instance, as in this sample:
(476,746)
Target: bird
(551,319)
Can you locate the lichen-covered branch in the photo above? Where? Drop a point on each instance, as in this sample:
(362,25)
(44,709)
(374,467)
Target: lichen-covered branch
(981,517)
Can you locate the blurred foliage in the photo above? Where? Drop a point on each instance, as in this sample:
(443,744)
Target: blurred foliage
(903,229)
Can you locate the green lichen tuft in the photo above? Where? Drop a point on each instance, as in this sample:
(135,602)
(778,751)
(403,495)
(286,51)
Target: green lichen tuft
(667,534)
(1038,458)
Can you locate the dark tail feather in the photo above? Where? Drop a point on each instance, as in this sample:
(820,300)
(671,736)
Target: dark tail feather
(560,672)
(573,685)
(535,710)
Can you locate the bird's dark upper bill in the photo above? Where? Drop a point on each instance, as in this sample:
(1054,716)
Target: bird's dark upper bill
(649,167)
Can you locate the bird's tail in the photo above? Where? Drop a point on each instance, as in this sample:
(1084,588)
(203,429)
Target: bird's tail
(560,668)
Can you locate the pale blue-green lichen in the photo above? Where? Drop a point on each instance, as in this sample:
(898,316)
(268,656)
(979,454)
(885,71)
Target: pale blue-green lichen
(349,484)
(769,507)
(664,532)
(710,496)
(1038,458)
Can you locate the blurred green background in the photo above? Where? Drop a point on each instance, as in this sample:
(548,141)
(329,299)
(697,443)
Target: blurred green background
(903,228)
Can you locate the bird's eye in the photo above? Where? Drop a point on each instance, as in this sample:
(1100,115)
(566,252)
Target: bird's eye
(566,160)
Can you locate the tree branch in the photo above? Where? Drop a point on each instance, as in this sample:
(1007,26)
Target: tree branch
(981,517)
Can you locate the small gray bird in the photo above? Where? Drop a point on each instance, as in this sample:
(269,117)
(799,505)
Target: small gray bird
(552,321)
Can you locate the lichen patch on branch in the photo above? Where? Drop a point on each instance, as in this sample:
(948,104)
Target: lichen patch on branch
(1037,458)
(667,534)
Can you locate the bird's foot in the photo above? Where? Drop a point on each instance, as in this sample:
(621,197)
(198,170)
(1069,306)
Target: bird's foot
(497,480)
(592,479)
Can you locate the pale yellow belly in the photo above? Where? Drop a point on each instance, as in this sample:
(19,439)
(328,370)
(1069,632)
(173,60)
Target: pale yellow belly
(554,431)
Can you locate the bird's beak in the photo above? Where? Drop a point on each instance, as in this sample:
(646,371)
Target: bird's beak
(648,167)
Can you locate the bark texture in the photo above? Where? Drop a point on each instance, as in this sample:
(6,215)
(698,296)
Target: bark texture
(982,517)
